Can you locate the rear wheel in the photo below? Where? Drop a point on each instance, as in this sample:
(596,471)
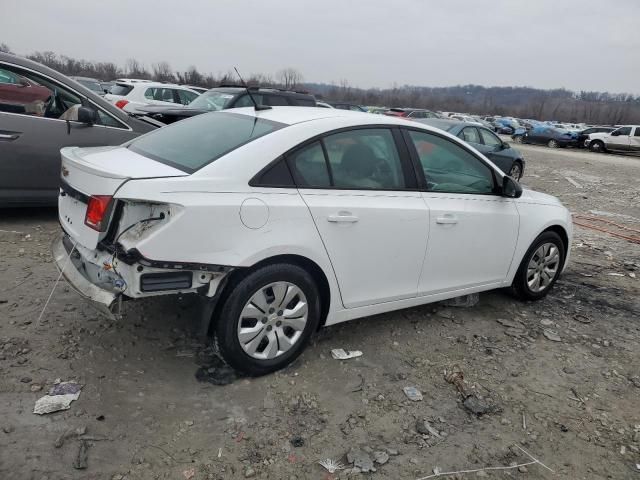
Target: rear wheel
(596,146)
(540,267)
(517,139)
(267,319)
(553,143)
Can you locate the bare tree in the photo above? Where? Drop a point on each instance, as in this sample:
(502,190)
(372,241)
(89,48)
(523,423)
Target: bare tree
(5,48)
(162,72)
(289,77)
(133,68)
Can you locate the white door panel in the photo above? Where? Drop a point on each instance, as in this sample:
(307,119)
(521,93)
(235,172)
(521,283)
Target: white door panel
(471,241)
(376,241)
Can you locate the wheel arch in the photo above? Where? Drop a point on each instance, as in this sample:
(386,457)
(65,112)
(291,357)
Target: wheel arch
(303,262)
(564,236)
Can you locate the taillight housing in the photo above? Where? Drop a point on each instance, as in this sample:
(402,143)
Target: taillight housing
(121,103)
(98,209)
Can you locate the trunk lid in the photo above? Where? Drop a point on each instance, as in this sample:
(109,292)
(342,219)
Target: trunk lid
(101,171)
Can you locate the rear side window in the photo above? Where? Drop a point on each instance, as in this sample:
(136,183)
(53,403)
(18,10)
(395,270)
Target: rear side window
(160,94)
(191,144)
(309,167)
(121,89)
(489,138)
(303,102)
(276,175)
(469,134)
(275,100)
(186,97)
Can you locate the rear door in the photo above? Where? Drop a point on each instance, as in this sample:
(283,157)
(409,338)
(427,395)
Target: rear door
(30,141)
(360,190)
(473,230)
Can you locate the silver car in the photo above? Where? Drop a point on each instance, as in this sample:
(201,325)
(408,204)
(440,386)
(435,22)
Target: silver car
(42,111)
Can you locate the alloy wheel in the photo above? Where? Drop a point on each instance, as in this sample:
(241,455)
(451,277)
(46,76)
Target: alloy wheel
(543,267)
(273,320)
(516,171)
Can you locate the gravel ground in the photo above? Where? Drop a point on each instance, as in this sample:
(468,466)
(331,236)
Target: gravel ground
(559,378)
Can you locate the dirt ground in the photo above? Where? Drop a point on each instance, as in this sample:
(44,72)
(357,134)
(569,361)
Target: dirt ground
(562,376)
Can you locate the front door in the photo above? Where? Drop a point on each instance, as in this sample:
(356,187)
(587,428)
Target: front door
(619,139)
(634,141)
(31,138)
(473,230)
(372,221)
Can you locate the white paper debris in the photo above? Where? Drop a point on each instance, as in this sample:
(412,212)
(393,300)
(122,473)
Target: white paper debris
(54,403)
(341,354)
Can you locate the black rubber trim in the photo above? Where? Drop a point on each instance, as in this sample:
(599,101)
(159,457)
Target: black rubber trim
(66,189)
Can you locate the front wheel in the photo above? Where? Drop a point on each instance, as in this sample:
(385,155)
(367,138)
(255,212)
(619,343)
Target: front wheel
(267,318)
(596,146)
(540,267)
(516,171)
(553,143)
(517,139)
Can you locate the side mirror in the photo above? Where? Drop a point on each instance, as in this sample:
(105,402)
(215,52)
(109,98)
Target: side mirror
(23,82)
(87,115)
(511,188)
(615,133)
(505,145)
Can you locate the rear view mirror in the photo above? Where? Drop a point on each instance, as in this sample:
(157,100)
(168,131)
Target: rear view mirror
(87,115)
(511,188)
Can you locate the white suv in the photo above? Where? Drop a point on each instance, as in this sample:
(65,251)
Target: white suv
(128,95)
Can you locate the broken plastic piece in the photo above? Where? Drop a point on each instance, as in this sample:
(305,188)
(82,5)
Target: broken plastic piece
(413,394)
(60,397)
(332,466)
(341,354)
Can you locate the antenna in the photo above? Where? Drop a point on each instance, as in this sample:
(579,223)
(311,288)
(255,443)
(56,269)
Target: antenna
(255,104)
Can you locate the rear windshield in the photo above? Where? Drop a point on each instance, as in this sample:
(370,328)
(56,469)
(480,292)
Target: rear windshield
(213,100)
(191,144)
(120,89)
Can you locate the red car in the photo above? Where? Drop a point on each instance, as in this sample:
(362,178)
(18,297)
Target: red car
(21,95)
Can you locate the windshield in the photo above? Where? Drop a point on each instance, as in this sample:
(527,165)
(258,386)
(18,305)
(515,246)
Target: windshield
(212,100)
(91,85)
(191,144)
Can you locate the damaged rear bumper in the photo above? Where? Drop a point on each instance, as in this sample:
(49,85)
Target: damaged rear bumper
(77,273)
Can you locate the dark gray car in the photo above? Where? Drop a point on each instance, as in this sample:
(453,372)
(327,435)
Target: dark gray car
(505,157)
(42,111)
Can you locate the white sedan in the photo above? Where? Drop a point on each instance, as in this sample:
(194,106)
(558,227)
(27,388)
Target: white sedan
(289,219)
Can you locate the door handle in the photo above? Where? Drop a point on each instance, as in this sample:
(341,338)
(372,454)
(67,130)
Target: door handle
(447,219)
(342,218)
(8,136)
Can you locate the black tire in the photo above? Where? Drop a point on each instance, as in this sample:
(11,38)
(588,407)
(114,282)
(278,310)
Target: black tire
(224,332)
(553,143)
(517,138)
(597,146)
(516,170)
(520,285)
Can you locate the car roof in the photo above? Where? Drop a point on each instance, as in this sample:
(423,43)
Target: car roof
(76,77)
(294,115)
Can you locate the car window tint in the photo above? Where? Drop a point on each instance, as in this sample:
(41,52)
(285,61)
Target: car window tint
(193,143)
(365,159)
(449,167)
(637,134)
(624,131)
(186,97)
(309,166)
(108,120)
(37,96)
(277,175)
(275,100)
(489,138)
(470,134)
(245,100)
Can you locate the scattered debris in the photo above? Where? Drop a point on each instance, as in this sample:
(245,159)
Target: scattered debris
(223,375)
(297,441)
(465,301)
(64,436)
(380,457)
(341,354)
(423,427)
(470,401)
(412,394)
(331,466)
(249,473)
(579,317)
(573,182)
(614,274)
(534,461)
(551,335)
(80,462)
(59,398)
(360,459)
(189,473)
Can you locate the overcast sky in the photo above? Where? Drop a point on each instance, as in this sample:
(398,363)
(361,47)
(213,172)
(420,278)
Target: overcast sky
(577,44)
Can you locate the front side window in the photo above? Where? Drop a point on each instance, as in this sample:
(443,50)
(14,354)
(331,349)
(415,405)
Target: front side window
(365,159)
(489,139)
(191,144)
(449,167)
(470,134)
(624,131)
(309,167)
